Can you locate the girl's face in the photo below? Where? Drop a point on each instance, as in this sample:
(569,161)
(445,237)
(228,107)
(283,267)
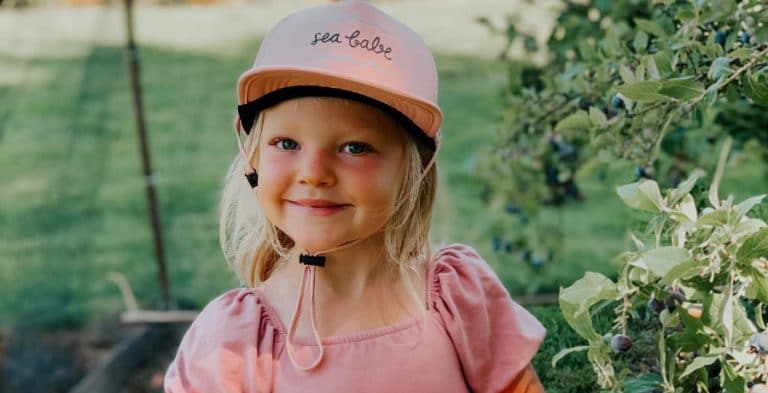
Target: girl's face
(329,170)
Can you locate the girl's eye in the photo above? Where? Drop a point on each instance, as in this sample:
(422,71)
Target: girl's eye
(356,148)
(286,144)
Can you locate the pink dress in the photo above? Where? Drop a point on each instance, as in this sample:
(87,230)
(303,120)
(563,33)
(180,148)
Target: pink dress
(475,338)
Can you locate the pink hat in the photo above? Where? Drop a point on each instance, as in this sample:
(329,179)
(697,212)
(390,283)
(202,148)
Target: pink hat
(349,49)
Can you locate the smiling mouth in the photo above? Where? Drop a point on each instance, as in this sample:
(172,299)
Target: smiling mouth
(318,208)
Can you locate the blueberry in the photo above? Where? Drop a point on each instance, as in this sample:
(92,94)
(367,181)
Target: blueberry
(572,190)
(720,38)
(552,174)
(511,208)
(744,37)
(617,102)
(656,306)
(675,297)
(496,243)
(508,247)
(566,151)
(621,343)
(526,255)
(758,343)
(537,263)
(641,173)
(554,144)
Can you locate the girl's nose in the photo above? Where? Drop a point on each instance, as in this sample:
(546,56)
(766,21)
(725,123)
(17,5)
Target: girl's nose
(316,169)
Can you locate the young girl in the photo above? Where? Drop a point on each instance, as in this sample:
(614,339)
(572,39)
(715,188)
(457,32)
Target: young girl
(329,229)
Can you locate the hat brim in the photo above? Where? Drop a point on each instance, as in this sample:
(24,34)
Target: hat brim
(260,81)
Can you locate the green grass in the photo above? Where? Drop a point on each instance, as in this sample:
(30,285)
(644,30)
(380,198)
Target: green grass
(72,206)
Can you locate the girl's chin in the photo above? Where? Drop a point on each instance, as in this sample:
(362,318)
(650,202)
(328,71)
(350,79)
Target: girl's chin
(312,246)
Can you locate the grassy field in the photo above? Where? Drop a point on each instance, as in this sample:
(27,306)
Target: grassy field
(72,205)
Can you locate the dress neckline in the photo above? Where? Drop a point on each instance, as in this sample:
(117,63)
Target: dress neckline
(362,335)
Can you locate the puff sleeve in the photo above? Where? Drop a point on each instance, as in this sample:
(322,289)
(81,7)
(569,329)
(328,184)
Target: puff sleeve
(227,348)
(494,337)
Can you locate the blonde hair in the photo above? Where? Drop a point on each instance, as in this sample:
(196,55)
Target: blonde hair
(253,246)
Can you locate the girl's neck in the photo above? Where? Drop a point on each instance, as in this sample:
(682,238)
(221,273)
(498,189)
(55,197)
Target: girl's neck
(349,273)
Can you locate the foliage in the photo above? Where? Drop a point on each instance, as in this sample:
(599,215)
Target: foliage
(656,83)
(700,275)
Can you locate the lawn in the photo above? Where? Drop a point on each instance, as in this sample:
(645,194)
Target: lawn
(72,205)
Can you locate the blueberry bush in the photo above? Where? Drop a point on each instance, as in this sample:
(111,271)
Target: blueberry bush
(658,83)
(696,279)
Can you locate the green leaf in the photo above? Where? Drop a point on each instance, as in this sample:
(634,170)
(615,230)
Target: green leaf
(719,68)
(645,91)
(713,218)
(682,271)
(697,363)
(641,41)
(746,205)
(578,121)
(742,53)
(756,90)
(597,117)
(682,89)
(650,27)
(663,60)
(686,209)
(626,74)
(758,288)
(650,190)
(726,316)
(755,246)
(650,66)
(762,33)
(566,352)
(645,383)
(686,186)
(747,227)
(661,260)
(684,14)
(588,290)
(733,382)
(643,195)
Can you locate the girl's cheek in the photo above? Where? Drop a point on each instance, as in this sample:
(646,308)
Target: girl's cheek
(273,168)
(274,160)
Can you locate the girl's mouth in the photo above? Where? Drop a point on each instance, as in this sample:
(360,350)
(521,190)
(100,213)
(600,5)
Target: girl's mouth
(318,207)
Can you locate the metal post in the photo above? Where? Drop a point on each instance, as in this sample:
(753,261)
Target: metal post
(149,183)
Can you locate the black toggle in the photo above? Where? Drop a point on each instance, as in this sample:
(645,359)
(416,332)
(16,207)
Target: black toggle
(314,260)
(253,179)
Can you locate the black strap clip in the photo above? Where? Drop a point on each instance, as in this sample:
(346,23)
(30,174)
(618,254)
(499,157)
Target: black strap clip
(253,179)
(314,260)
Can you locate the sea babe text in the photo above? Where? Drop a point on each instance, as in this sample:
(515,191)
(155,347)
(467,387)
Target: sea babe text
(354,41)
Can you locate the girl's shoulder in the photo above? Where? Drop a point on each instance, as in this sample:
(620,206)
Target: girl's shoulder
(494,337)
(236,309)
(458,269)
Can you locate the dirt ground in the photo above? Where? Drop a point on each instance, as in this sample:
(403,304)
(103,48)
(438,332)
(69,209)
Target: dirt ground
(53,362)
